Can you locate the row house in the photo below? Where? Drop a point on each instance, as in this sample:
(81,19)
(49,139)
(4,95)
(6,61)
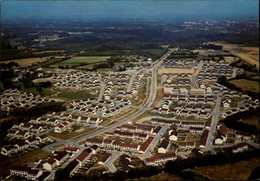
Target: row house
(125,162)
(159,159)
(72,167)
(188,124)
(104,158)
(186,145)
(146,144)
(203,139)
(243,136)
(25,172)
(8,150)
(195,130)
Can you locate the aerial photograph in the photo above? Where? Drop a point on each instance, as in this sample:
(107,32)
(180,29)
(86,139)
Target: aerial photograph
(129,90)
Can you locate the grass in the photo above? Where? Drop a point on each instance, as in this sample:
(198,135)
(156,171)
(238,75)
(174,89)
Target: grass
(57,146)
(68,94)
(45,91)
(252,121)
(230,171)
(7,163)
(69,135)
(161,176)
(246,84)
(158,97)
(84,60)
(145,114)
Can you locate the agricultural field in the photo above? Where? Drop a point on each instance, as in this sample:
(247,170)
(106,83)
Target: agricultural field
(249,54)
(246,84)
(26,61)
(242,170)
(76,61)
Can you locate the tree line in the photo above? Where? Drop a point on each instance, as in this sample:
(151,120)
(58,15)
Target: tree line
(233,122)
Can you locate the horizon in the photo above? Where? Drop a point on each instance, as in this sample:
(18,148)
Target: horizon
(117,10)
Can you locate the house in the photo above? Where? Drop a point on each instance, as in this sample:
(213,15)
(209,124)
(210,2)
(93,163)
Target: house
(162,148)
(23,135)
(61,156)
(72,167)
(84,156)
(43,138)
(221,134)
(12,133)
(50,164)
(243,136)
(173,135)
(8,150)
(71,149)
(104,158)
(125,162)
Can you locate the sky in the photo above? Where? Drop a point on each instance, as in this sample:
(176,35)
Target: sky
(16,10)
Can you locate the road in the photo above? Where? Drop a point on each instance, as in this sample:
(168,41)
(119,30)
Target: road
(151,98)
(212,130)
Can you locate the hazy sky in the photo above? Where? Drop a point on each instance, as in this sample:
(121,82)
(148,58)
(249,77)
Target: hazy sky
(128,9)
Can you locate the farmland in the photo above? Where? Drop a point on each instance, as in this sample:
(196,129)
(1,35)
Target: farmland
(249,54)
(246,84)
(76,61)
(26,61)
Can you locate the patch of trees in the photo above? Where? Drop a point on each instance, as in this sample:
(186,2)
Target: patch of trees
(39,109)
(212,46)
(233,122)
(223,80)
(177,166)
(249,67)
(102,65)
(255,175)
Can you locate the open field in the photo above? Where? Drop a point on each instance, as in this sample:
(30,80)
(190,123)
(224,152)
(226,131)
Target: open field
(252,121)
(67,135)
(26,61)
(230,171)
(68,94)
(29,157)
(249,54)
(48,51)
(246,84)
(83,60)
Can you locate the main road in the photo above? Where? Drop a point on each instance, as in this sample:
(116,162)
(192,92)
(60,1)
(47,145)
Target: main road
(138,113)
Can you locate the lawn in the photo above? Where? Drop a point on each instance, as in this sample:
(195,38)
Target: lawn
(83,60)
(158,97)
(246,84)
(69,135)
(29,157)
(68,94)
(230,171)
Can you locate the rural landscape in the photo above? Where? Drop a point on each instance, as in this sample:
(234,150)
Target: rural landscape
(138,90)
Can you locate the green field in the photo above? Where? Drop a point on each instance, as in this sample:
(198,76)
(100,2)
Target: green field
(83,60)
(73,95)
